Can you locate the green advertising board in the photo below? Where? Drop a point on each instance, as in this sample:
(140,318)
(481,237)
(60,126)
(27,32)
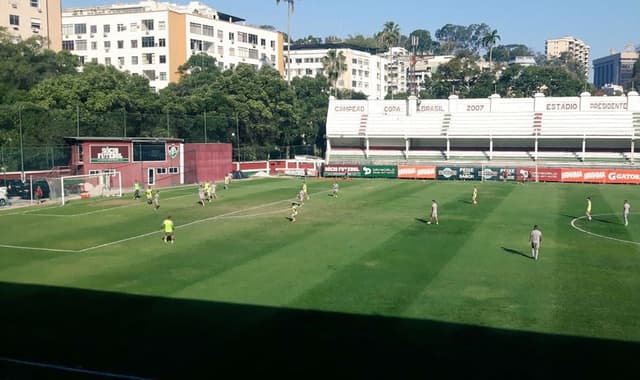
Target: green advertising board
(379,171)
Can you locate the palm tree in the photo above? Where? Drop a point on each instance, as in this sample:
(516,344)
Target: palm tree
(489,40)
(289,12)
(334,64)
(390,35)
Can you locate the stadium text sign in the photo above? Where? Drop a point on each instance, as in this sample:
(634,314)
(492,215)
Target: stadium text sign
(601,175)
(416,171)
(341,170)
(107,154)
(540,174)
(380,171)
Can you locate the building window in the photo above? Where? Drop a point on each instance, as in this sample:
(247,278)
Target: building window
(147,25)
(68,45)
(106,28)
(122,27)
(309,72)
(273,60)
(148,42)
(253,39)
(147,58)
(163,75)
(107,61)
(161,170)
(207,30)
(94,60)
(93,29)
(232,52)
(120,61)
(134,59)
(243,52)
(231,36)
(35,25)
(220,51)
(35,3)
(298,60)
(67,29)
(273,44)
(195,28)
(253,54)
(162,25)
(263,42)
(174,170)
(196,45)
(242,37)
(162,42)
(81,45)
(14,20)
(162,59)
(150,74)
(94,45)
(207,46)
(120,44)
(134,44)
(107,44)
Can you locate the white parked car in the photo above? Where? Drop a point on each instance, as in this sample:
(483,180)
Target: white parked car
(3,196)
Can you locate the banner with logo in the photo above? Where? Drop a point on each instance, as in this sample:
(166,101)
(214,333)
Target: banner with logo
(341,170)
(539,174)
(379,171)
(103,154)
(468,173)
(601,175)
(447,172)
(417,171)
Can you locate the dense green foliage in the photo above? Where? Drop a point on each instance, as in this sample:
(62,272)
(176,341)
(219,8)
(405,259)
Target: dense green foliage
(357,276)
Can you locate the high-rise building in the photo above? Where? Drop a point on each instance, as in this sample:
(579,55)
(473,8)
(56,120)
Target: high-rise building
(26,18)
(615,69)
(576,48)
(154,38)
(365,72)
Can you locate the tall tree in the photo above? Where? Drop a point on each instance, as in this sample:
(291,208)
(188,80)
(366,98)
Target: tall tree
(425,43)
(289,12)
(334,64)
(390,35)
(489,40)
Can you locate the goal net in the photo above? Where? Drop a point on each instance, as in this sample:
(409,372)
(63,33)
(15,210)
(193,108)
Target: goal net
(90,186)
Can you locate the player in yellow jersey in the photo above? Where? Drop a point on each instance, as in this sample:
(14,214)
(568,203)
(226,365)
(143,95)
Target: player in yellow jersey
(588,208)
(169,234)
(149,194)
(136,190)
(294,211)
(474,196)
(207,191)
(304,189)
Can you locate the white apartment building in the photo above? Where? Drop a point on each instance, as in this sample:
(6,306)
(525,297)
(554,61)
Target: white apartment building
(26,18)
(154,38)
(578,49)
(365,71)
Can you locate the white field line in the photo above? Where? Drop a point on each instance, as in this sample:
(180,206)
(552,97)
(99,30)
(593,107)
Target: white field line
(71,369)
(38,248)
(573,224)
(33,211)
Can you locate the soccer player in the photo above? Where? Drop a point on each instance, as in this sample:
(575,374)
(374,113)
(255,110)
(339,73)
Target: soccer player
(335,189)
(588,208)
(169,234)
(294,211)
(227,181)
(207,191)
(136,190)
(434,212)
(304,189)
(149,194)
(474,196)
(626,207)
(213,190)
(535,238)
(301,196)
(201,195)
(156,200)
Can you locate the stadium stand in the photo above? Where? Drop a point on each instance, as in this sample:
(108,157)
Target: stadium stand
(563,130)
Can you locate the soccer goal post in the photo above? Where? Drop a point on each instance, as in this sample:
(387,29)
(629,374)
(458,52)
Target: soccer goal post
(107,184)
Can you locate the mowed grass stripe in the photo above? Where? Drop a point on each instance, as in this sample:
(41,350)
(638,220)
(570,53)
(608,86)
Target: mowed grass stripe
(307,254)
(389,276)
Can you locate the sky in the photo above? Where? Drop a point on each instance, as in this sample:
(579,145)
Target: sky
(602,25)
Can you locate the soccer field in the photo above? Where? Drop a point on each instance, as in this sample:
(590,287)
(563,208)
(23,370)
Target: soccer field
(359,285)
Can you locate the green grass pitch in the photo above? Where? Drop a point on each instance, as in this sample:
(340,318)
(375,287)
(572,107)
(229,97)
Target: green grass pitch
(360,285)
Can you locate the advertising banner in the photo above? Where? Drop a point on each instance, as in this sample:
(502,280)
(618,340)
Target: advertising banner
(379,171)
(623,176)
(469,173)
(601,175)
(539,174)
(498,174)
(341,170)
(447,172)
(417,171)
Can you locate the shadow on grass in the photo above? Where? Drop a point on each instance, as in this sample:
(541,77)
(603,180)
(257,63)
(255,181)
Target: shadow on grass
(464,201)
(422,220)
(515,252)
(569,216)
(167,338)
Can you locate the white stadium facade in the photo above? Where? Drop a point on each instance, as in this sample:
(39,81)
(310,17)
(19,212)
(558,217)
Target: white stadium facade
(565,130)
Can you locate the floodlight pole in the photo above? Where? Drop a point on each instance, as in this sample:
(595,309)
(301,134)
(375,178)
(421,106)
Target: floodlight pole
(21,142)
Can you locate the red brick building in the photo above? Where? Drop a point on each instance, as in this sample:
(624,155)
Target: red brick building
(160,162)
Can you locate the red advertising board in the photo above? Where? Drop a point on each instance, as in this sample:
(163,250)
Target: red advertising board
(601,175)
(539,174)
(417,171)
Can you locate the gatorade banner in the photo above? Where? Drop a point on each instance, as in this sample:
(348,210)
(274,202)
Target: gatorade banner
(417,171)
(341,170)
(601,175)
(379,171)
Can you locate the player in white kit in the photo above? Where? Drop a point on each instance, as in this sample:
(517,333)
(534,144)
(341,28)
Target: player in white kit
(535,238)
(626,208)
